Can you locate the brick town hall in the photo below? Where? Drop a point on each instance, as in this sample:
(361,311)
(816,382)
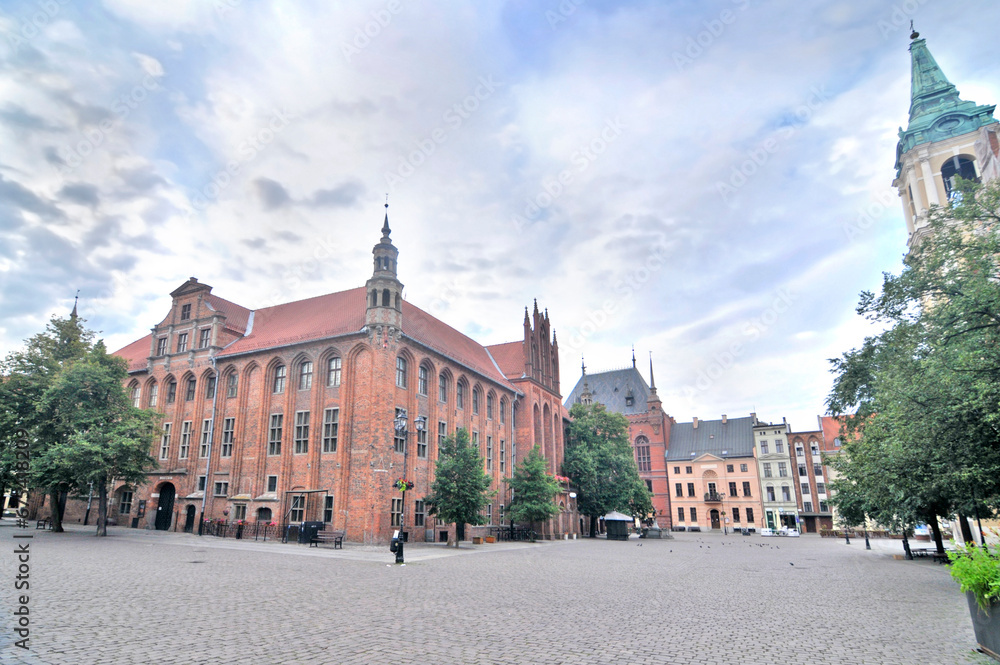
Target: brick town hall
(311,410)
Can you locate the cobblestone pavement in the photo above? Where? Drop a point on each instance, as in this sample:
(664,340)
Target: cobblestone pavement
(145,597)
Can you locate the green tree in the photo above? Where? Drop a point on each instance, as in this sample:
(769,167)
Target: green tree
(924,439)
(98,436)
(534,490)
(25,375)
(461,488)
(600,462)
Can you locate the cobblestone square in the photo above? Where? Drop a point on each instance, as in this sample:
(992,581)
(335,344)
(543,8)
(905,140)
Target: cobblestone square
(140,597)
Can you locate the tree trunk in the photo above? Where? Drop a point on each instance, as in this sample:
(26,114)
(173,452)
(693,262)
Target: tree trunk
(102,508)
(593,527)
(459,532)
(936,530)
(963,525)
(54,512)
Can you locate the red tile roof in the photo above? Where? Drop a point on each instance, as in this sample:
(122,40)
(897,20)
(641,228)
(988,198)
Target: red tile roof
(302,321)
(236,315)
(510,357)
(136,353)
(330,315)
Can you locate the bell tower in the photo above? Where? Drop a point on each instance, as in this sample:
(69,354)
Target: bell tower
(938,144)
(384,312)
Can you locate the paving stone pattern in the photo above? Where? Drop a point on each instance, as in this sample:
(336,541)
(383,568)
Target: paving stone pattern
(147,597)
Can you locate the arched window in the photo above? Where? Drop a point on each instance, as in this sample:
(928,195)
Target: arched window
(443,388)
(171,391)
(422,380)
(134,393)
(279,379)
(333,372)
(397,301)
(400,372)
(385,297)
(489,407)
(503,411)
(232,383)
(263,514)
(460,395)
(642,454)
(374,297)
(959,166)
(475,401)
(306,375)
(154,393)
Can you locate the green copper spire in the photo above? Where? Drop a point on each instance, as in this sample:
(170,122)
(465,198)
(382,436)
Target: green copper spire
(936,111)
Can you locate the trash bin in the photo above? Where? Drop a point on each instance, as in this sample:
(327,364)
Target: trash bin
(309,530)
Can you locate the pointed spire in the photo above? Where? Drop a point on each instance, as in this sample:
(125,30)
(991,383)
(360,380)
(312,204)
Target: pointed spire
(76,300)
(652,381)
(527,321)
(936,110)
(385,226)
(555,342)
(536,306)
(583,366)
(633,356)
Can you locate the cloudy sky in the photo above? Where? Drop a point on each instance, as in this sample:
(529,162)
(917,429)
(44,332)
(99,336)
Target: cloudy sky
(709,181)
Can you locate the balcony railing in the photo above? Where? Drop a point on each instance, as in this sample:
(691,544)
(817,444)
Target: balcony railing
(714,497)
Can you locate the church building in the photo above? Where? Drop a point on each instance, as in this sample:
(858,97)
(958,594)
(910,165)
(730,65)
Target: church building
(312,410)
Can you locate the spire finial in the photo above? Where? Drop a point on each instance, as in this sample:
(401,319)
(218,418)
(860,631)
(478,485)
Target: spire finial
(583,366)
(385,227)
(913,33)
(633,356)
(652,381)
(76,300)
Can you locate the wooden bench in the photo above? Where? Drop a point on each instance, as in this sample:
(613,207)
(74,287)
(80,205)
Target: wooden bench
(335,537)
(45,523)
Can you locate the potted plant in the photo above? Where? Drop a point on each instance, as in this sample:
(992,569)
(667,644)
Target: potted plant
(491,539)
(977,570)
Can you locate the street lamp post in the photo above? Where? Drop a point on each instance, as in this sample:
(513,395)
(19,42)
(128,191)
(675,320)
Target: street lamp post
(402,484)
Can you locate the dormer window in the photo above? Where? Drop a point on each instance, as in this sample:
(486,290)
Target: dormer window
(629,399)
(185,312)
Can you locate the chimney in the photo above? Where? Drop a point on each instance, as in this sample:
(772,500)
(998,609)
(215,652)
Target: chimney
(696,422)
(723,419)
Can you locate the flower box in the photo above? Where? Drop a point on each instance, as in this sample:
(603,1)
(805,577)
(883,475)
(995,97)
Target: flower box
(477,540)
(491,539)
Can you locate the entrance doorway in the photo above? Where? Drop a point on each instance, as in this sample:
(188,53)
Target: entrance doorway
(165,507)
(715,518)
(189,520)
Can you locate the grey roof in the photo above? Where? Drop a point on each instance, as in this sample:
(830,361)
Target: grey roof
(712,436)
(611,389)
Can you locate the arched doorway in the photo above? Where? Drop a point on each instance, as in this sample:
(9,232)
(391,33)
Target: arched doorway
(189,520)
(715,518)
(165,507)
